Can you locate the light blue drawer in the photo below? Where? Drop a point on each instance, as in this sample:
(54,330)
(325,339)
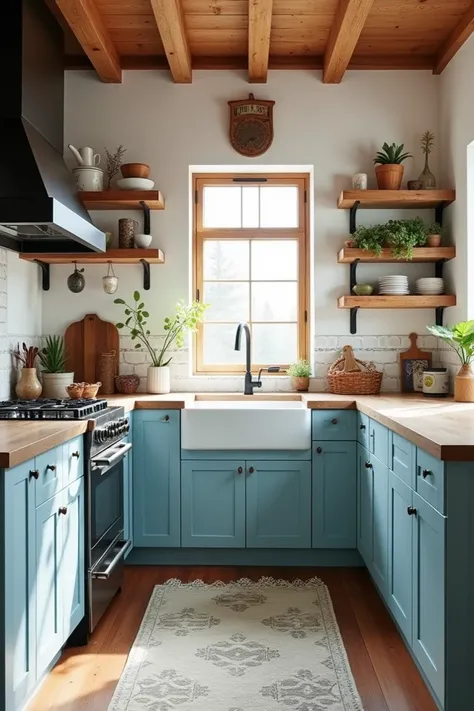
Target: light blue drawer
(378,442)
(402,458)
(363,429)
(334,424)
(430,479)
(48,470)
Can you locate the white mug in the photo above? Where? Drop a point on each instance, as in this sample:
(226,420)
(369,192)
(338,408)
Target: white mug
(359,181)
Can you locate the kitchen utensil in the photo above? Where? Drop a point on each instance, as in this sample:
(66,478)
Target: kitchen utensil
(127,229)
(85,156)
(91,390)
(107,372)
(436,382)
(412,364)
(127,384)
(76,281)
(90,179)
(363,289)
(135,184)
(110,281)
(85,340)
(135,170)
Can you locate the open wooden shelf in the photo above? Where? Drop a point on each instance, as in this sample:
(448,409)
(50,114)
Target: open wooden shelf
(116,256)
(396,302)
(401,199)
(122,199)
(349,255)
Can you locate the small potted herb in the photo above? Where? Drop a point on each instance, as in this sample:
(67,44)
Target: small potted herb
(389,169)
(461,339)
(300,373)
(53,362)
(402,236)
(434,233)
(28,386)
(371,239)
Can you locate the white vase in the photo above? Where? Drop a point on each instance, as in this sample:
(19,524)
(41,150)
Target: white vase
(55,384)
(158,380)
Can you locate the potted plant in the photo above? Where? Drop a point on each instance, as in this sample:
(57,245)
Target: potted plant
(371,239)
(403,235)
(300,373)
(186,318)
(389,169)
(53,362)
(461,338)
(434,233)
(28,386)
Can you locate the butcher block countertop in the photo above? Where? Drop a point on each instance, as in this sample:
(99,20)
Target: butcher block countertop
(440,426)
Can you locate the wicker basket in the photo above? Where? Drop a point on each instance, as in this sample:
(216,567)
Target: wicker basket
(366,381)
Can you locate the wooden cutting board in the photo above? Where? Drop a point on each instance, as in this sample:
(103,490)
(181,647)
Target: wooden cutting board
(412,363)
(85,340)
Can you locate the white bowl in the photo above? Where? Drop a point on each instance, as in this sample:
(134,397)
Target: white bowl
(135,184)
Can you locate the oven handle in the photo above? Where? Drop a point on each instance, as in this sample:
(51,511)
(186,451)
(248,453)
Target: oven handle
(110,461)
(105,574)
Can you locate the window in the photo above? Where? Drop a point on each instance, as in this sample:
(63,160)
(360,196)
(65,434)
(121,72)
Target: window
(250,264)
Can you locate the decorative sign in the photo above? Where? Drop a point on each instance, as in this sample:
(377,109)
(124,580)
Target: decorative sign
(251,126)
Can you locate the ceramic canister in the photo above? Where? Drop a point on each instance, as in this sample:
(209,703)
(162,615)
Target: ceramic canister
(359,181)
(436,382)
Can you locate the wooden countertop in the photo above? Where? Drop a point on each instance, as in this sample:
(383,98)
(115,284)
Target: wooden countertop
(440,426)
(20,441)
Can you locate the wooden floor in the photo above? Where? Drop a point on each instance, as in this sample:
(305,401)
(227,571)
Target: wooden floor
(84,679)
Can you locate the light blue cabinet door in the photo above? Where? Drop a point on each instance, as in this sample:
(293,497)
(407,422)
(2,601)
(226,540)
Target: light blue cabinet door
(379,559)
(156,483)
(128,488)
(334,494)
(20,566)
(72,556)
(428,592)
(49,611)
(364,505)
(334,425)
(378,444)
(49,468)
(278,504)
(73,454)
(213,504)
(400,554)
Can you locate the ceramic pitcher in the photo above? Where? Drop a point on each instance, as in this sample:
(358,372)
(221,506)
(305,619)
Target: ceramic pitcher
(85,156)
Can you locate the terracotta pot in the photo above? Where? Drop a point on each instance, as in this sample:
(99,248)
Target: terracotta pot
(158,380)
(28,387)
(389,176)
(464,384)
(433,240)
(301,384)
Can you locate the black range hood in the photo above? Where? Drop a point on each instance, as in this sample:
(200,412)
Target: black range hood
(39,208)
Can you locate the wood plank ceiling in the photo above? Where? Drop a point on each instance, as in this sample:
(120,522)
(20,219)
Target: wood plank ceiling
(332,35)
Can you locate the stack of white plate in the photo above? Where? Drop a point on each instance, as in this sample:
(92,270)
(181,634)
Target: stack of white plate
(430,286)
(393,285)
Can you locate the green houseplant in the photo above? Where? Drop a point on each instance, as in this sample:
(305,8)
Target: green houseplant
(461,339)
(52,358)
(389,169)
(186,318)
(434,233)
(400,235)
(300,373)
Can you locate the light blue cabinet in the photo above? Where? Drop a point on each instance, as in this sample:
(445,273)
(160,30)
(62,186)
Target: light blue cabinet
(278,496)
(72,588)
(128,487)
(372,512)
(213,504)
(156,484)
(334,425)
(334,494)
(364,504)
(400,556)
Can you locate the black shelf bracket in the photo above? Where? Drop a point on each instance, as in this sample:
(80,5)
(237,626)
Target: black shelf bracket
(352,217)
(439,315)
(353,274)
(353,318)
(439,209)
(439,266)
(45,273)
(146,274)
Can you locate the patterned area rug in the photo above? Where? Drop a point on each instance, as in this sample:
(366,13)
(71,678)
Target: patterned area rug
(244,646)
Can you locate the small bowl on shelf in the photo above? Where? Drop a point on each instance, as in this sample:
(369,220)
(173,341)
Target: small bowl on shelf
(127,384)
(135,170)
(363,289)
(135,184)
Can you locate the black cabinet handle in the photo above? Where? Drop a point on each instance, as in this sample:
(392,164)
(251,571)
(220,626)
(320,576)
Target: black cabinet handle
(425,473)
(76,454)
(369,465)
(362,427)
(34,474)
(166,418)
(334,421)
(51,467)
(62,510)
(240,470)
(319,450)
(411,511)
(251,470)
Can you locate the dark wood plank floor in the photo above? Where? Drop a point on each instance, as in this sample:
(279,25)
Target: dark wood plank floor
(84,679)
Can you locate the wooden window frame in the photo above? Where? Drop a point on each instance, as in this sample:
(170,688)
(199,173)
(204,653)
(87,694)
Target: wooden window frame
(200,234)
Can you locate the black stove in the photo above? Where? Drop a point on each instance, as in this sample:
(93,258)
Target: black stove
(45,409)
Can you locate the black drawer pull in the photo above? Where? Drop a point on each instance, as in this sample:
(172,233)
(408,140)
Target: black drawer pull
(34,474)
(368,465)
(334,421)
(166,418)
(76,454)
(411,511)
(62,510)
(51,467)
(251,470)
(240,470)
(425,473)
(319,450)
(362,427)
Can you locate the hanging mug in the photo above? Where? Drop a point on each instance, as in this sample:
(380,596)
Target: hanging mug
(110,281)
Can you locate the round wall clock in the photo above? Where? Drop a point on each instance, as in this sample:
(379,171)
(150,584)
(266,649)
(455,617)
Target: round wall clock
(251,126)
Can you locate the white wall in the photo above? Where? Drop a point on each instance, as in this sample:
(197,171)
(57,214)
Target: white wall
(336,129)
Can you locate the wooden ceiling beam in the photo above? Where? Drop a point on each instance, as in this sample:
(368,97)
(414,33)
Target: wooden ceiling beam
(86,23)
(170,21)
(347,26)
(455,41)
(260,22)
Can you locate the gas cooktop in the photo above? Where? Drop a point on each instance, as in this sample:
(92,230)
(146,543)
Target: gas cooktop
(44,409)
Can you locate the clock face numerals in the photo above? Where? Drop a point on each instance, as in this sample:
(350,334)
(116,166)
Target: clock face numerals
(251,126)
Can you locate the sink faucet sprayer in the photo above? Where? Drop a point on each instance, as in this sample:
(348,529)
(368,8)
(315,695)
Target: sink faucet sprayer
(249,383)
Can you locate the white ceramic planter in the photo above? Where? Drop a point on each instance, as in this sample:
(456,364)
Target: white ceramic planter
(89,179)
(55,384)
(158,380)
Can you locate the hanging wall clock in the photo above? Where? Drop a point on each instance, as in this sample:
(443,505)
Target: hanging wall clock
(251,126)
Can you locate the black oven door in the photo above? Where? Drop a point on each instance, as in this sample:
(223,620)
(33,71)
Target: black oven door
(106,499)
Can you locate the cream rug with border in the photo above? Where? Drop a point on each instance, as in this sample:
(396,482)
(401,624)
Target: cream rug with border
(269,645)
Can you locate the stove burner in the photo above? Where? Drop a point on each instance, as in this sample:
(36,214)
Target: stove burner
(50,409)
